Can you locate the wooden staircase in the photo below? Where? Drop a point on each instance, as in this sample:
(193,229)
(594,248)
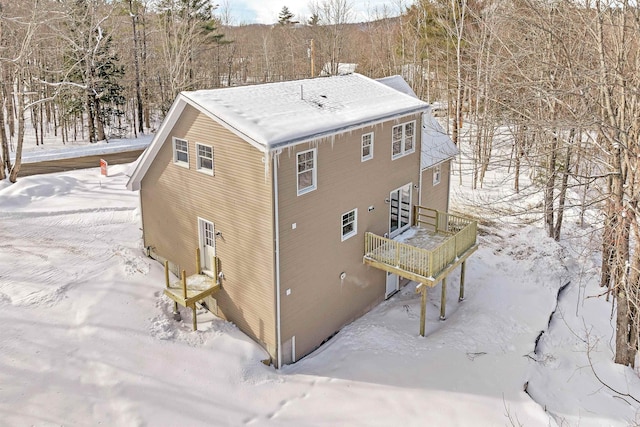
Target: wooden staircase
(189,290)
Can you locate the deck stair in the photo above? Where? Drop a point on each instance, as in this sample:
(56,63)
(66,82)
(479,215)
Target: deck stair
(191,289)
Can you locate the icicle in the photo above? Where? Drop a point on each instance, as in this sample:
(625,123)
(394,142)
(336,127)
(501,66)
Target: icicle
(267,161)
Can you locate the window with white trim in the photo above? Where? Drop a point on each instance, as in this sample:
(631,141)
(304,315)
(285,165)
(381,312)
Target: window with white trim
(367,146)
(403,139)
(204,161)
(181,152)
(306,171)
(436,175)
(349,224)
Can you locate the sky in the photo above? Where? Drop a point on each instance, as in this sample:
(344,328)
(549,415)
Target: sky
(266,11)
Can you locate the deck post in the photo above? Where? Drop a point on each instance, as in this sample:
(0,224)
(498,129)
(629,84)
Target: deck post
(166,273)
(184,284)
(443,299)
(198,270)
(423,308)
(176,313)
(462,269)
(415,215)
(195,319)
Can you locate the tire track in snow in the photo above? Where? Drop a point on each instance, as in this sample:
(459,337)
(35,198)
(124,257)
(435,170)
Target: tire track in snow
(44,264)
(42,214)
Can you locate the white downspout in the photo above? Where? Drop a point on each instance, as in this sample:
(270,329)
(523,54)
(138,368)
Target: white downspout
(420,189)
(277,258)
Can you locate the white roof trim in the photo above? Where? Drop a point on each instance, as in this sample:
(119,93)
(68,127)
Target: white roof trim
(152,150)
(226,125)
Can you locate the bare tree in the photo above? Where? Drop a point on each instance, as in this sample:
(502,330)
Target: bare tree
(133,12)
(334,15)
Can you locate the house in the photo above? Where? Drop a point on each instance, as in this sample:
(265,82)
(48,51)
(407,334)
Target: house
(337,69)
(291,192)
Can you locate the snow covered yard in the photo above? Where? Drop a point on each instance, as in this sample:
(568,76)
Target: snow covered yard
(88,339)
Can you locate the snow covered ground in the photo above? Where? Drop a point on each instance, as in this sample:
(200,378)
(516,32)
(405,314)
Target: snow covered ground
(88,338)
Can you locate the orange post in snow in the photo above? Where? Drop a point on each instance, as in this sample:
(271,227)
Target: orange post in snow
(103,167)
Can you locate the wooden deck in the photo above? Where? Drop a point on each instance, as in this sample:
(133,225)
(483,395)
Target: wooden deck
(198,286)
(437,243)
(189,290)
(428,251)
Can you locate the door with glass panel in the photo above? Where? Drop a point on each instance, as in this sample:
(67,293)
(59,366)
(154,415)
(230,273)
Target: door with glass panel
(399,210)
(207,245)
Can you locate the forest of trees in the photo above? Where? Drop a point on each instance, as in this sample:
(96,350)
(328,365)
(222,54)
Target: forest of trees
(560,77)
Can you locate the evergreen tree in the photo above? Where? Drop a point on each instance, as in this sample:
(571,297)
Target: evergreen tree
(314,20)
(93,66)
(189,34)
(285,17)
(110,99)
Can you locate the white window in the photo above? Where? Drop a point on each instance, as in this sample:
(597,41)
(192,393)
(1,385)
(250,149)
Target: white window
(181,152)
(307,171)
(403,139)
(367,146)
(349,224)
(436,175)
(204,158)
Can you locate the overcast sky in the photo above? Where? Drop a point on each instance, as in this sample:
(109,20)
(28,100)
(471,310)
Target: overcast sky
(266,11)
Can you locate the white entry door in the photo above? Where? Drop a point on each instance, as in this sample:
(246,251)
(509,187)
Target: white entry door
(399,210)
(392,284)
(207,244)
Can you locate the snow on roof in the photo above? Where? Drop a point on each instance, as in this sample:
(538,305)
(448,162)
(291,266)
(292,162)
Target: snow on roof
(274,115)
(436,144)
(284,113)
(343,69)
(398,83)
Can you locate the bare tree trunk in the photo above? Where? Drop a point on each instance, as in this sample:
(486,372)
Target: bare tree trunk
(563,193)
(134,18)
(147,115)
(100,134)
(11,112)
(549,189)
(4,154)
(91,124)
(13,175)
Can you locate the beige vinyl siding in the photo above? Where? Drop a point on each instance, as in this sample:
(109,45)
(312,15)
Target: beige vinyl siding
(313,255)
(238,200)
(436,196)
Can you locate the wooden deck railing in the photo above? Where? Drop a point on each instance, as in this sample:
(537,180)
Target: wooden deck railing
(397,254)
(438,221)
(420,262)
